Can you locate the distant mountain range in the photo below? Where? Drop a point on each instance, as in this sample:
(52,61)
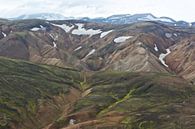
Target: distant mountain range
(114,19)
(127,19)
(44,16)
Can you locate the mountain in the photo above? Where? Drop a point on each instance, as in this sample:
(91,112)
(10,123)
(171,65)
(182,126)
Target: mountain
(69,74)
(128,19)
(44,16)
(142,46)
(114,19)
(33,95)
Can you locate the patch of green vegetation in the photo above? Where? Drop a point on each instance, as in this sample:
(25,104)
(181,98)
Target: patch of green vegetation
(117,102)
(23,84)
(147,125)
(147,100)
(21,34)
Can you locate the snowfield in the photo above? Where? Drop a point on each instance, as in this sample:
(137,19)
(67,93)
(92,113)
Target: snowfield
(122,39)
(65,27)
(162,57)
(83,31)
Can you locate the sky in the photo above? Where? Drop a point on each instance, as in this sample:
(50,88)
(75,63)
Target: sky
(176,9)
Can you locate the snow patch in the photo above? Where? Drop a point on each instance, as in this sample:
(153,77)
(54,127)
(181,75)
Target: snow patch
(38,28)
(190,24)
(83,31)
(91,52)
(168,35)
(65,27)
(4,35)
(155,48)
(103,34)
(72,121)
(54,39)
(54,44)
(162,57)
(35,29)
(122,39)
(175,34)
(42,27)
(78,48)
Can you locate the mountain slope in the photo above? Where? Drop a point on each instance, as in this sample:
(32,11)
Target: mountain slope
(131,100)
(37,96)
(97,75)
(138,47)
(32,96)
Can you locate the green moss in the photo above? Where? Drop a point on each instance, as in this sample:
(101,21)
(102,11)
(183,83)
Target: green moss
(117,102)
(147,125)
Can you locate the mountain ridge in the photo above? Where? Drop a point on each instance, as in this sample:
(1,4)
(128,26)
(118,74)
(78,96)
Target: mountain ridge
(113,19)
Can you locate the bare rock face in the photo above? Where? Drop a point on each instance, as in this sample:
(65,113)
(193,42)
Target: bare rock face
(182,59)
(135,58)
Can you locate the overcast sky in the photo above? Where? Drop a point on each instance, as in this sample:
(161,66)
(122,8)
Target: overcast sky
(176,9)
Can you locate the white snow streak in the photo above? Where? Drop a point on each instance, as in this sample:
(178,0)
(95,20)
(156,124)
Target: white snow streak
(122,39)
(78,48)
(162,57)
(54,44)
(155,48)
(4,35)
(54,39)
(91,52)
(103,34)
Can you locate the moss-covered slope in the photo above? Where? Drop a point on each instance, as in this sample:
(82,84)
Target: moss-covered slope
(40,96)
(119,100)
(24,87)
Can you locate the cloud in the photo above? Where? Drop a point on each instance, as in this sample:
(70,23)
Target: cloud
(182,9)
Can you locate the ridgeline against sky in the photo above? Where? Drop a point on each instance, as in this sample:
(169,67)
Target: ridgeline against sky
(179,10)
